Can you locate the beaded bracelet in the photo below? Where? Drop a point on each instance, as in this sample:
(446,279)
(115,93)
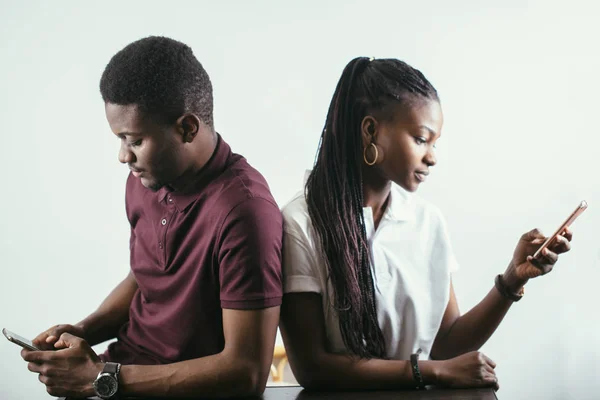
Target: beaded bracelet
(416,372)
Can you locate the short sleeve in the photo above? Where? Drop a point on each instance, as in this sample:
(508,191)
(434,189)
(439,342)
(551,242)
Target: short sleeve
(249,256)
(443,252)
(300,271)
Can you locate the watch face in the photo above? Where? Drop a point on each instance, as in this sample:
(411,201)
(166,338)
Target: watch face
(106,386)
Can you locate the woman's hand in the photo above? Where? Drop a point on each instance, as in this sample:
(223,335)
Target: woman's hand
(524,267)
(469,370)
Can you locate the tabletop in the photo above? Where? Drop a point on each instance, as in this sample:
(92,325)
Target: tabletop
(297,393)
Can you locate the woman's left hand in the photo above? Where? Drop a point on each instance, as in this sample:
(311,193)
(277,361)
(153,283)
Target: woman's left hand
(524,267)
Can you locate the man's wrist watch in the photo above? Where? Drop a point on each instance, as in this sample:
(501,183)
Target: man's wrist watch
(106,384)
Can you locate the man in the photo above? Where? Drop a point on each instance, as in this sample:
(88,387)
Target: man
(198,312)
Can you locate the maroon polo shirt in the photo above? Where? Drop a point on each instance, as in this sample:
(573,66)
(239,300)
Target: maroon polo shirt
(193,255)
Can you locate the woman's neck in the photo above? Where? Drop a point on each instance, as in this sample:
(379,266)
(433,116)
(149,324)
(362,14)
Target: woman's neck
(376,193)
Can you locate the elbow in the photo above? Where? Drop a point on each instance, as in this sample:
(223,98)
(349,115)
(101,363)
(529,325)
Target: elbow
(309,382)
(251,381)
(310,376)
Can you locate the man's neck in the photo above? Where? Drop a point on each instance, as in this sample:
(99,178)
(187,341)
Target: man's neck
(199,152)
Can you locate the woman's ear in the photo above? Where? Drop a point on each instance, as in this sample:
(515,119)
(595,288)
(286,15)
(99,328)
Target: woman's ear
(368,129)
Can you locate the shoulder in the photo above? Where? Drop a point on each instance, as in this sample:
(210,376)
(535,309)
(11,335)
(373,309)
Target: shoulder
(296,219)
(242,187)
(431,224)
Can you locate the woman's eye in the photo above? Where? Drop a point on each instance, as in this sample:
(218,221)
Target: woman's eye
(136,143)
(420,140)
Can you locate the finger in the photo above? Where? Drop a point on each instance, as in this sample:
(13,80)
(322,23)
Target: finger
(46,340)
(534,261)
(489,361)
(537,270)
(548,257)
(561,245)
(51,339)
(489,379)
(34,367)
(38,356)
(496,386)
(55,332)
(68,341)
(40,339)
(568,234)
(48,332)
(532,235)
(46,380)
(60,344)
(538,240)
(59,392)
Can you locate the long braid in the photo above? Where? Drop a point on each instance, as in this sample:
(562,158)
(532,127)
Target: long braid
(335,199)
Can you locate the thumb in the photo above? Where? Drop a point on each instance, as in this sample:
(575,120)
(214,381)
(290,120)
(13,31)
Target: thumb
(533,235)
(66,340)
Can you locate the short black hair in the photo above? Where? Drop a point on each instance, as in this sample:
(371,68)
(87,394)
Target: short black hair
(162,77)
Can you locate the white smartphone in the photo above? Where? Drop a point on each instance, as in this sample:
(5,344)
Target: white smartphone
(20,340)
(580,208)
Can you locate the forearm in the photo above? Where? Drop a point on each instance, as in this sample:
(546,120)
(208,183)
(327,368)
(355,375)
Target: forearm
(471,330)
(340,372)
(218,375)
(104,323)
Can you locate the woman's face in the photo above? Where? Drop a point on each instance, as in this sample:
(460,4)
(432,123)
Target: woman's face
(405,141)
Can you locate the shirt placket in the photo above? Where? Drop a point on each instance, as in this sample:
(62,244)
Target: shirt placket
(165,221)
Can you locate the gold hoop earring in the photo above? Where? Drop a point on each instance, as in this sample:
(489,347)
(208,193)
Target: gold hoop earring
(365,155)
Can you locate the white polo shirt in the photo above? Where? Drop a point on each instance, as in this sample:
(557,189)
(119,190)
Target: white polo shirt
(412,266)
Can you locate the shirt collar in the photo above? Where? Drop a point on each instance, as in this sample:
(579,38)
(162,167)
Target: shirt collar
(400,206)
(218,162)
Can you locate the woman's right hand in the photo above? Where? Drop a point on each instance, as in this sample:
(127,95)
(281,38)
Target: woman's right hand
(49,337)
(468,370)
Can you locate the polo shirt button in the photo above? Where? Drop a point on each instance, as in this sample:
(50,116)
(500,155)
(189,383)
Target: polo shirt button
(164,221)
(160,245)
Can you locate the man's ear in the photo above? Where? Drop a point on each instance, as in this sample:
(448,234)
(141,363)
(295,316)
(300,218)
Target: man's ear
(188,126)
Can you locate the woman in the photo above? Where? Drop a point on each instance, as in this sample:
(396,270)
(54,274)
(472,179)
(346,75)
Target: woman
(367,266)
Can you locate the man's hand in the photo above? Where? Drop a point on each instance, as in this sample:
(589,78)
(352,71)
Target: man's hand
(69,371)
(48,338)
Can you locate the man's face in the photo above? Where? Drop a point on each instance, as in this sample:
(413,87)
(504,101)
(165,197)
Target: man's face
(150,149)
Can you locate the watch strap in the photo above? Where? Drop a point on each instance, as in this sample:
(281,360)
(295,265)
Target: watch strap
(111,368)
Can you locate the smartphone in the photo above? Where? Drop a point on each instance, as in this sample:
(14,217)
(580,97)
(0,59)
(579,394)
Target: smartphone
(21,341)
(580,208)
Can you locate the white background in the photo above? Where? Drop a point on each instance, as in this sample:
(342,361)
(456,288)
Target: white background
(519,91)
